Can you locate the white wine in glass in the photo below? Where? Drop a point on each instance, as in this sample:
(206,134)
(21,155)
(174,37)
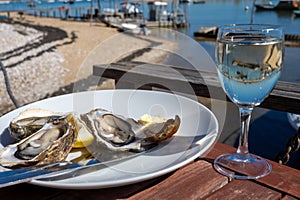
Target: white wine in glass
(249,61)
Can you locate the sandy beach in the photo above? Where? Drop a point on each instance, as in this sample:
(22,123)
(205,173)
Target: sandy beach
(46,56)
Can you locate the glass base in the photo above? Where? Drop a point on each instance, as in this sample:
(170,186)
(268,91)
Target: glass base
(238,166)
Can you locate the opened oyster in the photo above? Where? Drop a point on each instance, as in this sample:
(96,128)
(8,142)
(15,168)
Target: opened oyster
(52,143)
(30,121)
(118,133)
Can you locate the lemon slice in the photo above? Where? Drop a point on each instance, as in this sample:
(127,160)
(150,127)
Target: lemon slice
(79,155)
(84,137)
(149,119)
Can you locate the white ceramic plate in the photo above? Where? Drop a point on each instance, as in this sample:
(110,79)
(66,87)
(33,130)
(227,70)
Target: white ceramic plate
(199,129)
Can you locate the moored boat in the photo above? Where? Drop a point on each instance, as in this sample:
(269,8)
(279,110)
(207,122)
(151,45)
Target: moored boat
(207,32)
(277,4)
(4,2)
(266,4)
(297,13)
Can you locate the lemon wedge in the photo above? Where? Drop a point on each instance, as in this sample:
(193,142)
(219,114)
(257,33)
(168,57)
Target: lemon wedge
(149,119)
(84,137)
(79,155)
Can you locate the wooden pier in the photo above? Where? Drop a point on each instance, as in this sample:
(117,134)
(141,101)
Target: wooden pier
(63,12)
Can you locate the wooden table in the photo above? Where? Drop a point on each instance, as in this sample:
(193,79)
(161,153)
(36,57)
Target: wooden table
(196,180)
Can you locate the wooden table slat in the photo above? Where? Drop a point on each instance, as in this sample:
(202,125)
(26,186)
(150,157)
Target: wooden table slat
(282,178)
(194,181)
(241,189)
(288,197)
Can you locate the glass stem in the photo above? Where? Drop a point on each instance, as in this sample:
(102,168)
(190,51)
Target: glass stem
(245,115)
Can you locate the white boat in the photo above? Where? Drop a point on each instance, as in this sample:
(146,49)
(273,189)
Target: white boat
(130,8)
(4,2)
(158,11)
(134,28)
(129,26)
(277,4)
(108,11)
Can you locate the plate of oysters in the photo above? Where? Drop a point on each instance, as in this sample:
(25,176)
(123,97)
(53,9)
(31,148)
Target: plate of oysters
(136,135)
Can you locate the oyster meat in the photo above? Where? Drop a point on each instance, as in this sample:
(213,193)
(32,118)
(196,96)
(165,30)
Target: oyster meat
(30,121)
(161,129)
(118,133)
(52,143)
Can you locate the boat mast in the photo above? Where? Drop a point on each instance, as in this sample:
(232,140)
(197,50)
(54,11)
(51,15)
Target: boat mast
(252,12)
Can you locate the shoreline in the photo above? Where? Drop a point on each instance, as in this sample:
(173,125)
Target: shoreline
(53,54)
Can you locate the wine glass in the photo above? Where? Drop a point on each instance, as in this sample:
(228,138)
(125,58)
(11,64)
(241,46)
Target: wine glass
(249,61)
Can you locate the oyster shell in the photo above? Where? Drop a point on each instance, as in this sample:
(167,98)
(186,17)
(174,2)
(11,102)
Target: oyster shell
(160,130)
(118,133)
(30,121)
(51,143)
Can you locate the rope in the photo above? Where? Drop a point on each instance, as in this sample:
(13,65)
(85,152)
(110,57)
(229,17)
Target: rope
(292,145)
(7,84)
